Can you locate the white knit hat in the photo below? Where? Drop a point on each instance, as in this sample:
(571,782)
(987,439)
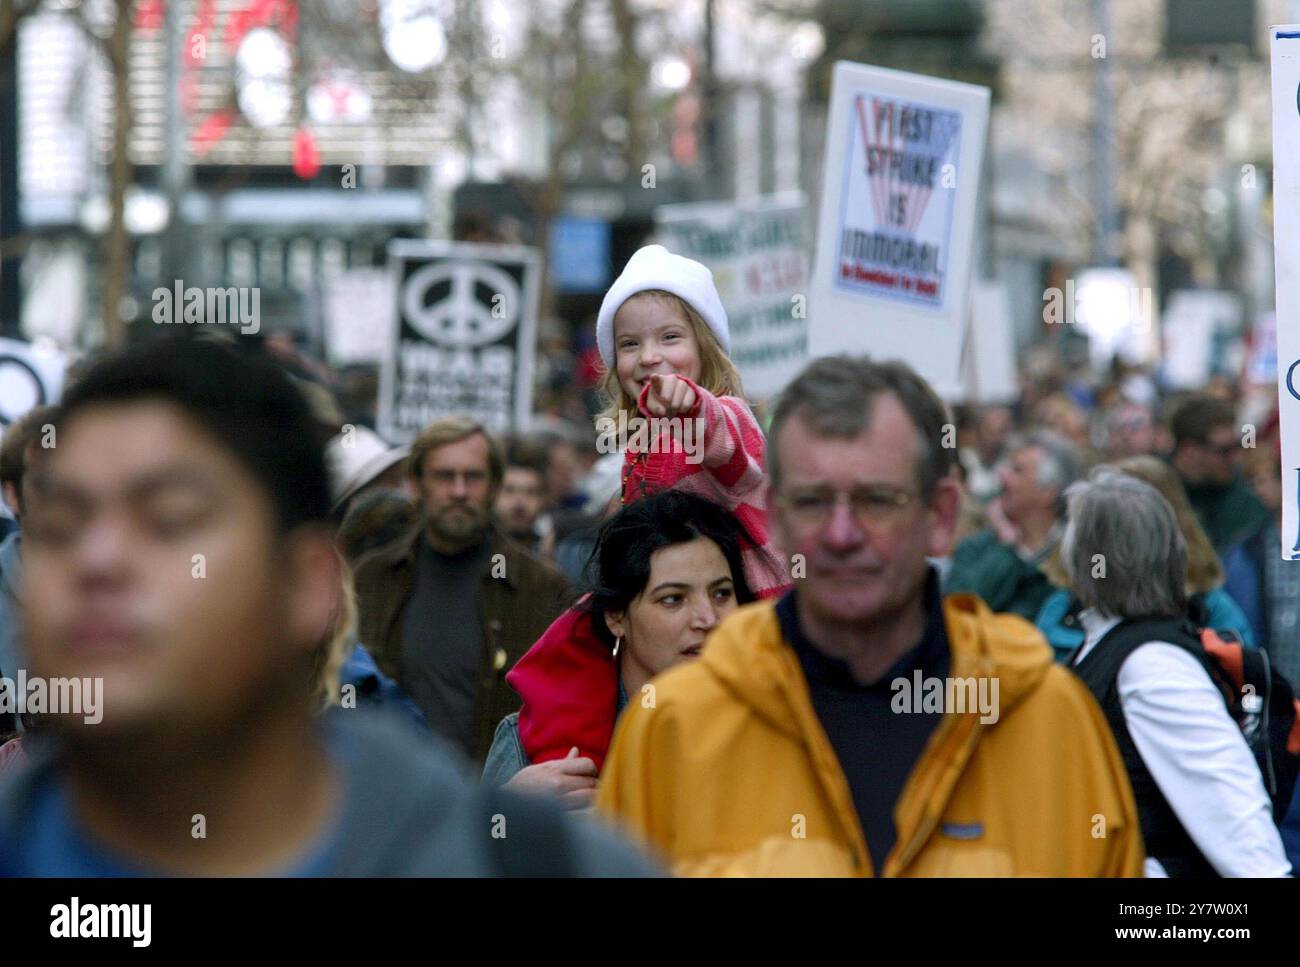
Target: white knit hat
(654,267)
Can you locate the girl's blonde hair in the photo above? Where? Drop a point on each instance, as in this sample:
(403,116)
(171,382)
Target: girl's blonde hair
(718,374)
(327,663)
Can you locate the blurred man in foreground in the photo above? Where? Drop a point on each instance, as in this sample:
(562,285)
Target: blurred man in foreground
(178,554)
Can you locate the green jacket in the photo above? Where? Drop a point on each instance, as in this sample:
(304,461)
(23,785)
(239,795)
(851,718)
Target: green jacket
(1229,514)
(984,566)
(521,595)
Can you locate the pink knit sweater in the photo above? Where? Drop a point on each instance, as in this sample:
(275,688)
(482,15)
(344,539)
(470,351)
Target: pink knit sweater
(729,472)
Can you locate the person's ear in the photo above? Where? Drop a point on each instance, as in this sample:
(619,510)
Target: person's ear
(313,580)
(945,506)
(616,622)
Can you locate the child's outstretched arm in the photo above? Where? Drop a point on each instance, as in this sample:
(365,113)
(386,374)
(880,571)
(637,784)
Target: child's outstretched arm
(732,447)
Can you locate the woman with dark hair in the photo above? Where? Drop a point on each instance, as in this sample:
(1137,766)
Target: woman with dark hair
(664,572)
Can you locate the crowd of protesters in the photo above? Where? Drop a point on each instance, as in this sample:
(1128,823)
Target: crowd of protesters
(872,637)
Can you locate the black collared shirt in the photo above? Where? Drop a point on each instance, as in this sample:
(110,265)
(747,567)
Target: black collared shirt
(876,746)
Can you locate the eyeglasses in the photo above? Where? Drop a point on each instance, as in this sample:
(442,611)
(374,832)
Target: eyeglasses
(447,478)
(871,506)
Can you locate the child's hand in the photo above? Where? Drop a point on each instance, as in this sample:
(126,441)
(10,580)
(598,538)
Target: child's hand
(669,396)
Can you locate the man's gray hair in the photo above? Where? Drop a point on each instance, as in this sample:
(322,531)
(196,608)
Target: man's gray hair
(1122,548)
(1059,466)
(834,394)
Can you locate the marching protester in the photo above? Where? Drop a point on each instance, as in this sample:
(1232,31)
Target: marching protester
(564,461)
(663,335)
(666,570)
(345,672)
(178,550)
(1130,431)
(521,502)
(1207,455)
(361,463)
(664,338)
(375,520)
(1201,801)
(1213,607)
(1004,563)
(982,460)
(449,609)
(1266,584)
(752,760)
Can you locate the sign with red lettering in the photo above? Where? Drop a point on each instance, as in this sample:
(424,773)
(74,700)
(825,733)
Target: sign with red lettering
(897,220)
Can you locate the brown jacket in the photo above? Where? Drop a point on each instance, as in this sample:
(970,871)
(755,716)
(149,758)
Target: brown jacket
(521,595)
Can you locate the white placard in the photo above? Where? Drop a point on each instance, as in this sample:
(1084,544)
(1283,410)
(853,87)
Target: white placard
(1193,323)
(989,373)
(359,307)
(465,336)
(758,256)
(896,226)
(1285,48)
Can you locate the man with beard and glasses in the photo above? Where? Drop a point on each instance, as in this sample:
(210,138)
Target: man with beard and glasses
(450,608)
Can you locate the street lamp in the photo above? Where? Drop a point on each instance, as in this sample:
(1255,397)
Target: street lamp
(262,66)
(413,35)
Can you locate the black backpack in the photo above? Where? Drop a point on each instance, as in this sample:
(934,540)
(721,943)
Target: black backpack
(1264,708)
(1260,702)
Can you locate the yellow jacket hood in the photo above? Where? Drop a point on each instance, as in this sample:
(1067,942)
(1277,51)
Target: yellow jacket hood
(749,657)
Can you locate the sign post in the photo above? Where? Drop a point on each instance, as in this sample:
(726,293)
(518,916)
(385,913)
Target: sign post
(896,226)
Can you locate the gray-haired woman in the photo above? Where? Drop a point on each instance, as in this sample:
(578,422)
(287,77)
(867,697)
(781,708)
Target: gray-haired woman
(1200,797)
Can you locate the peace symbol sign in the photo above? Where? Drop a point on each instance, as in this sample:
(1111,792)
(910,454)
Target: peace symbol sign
(462,318)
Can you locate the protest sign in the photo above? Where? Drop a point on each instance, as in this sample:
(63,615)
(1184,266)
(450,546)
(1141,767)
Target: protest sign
(896,225)
(756,251)
(464,336)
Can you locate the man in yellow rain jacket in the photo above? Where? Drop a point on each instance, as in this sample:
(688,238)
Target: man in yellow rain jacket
(861,725)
